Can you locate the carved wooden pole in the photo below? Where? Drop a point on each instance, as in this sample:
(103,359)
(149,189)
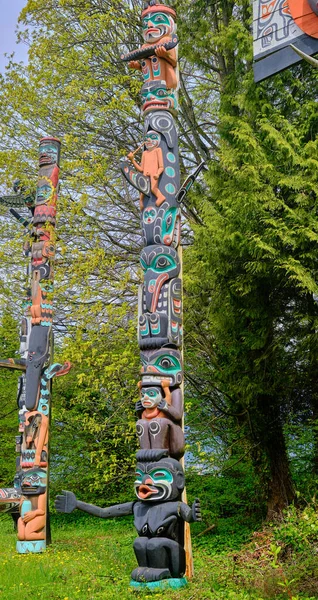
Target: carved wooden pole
(34,390)
(161,515)
(157,177)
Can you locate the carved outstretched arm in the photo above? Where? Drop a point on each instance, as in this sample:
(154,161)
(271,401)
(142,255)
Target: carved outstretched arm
(190,514)
(13,363)
(67,502)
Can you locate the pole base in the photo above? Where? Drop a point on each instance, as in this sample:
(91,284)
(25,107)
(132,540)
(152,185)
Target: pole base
(28,547)
(165,584)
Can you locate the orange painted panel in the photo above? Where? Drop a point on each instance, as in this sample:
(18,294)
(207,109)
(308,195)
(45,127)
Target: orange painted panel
(304,17)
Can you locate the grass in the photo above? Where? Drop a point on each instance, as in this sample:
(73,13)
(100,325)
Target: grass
(91,559)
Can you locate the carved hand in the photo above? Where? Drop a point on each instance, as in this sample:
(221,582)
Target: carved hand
(134,64)
(162,52)
(130,155)
(28,516)
(138,406)
(163,405)
(165,383)
(196,510)
(66,502)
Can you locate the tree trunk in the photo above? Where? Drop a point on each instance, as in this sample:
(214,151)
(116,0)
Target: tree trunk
(270,437)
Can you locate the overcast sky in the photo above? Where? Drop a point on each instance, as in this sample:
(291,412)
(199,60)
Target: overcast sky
(10,10)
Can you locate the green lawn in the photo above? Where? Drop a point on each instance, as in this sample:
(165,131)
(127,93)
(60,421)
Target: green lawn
(91,559)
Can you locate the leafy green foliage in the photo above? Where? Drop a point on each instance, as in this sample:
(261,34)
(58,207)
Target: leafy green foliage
(9,344)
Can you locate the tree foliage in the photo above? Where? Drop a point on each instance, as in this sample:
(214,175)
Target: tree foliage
(9,344)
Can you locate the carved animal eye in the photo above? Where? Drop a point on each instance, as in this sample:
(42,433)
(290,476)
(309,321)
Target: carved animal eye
(161,93)
(162,262)
(169,220)
(166,363)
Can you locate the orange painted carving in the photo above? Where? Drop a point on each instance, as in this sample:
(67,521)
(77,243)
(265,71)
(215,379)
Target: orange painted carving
(304,17)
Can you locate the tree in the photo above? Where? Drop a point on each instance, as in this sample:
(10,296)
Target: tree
(9,345)
(251,273)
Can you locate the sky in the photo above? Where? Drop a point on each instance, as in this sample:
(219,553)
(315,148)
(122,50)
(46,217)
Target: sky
(10,10)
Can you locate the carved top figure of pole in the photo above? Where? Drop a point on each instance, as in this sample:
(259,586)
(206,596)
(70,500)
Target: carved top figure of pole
(157,58)
(49,151)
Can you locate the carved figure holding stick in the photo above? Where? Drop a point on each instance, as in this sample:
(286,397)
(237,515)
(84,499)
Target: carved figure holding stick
(151,165)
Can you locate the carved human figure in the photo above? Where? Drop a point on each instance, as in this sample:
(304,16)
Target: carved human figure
(151,165)
(159,515)
(34,440)
(160,414)
(158,25)
(31,524)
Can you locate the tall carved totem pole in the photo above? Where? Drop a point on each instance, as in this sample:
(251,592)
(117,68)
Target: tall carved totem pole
(36,349)
(160,515)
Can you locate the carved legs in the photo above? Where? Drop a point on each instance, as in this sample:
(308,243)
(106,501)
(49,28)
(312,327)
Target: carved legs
(158,558)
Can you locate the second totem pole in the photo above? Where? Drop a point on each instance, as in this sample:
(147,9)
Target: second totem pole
(160,512)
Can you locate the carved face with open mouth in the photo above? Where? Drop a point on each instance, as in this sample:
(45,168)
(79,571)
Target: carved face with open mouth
(156,96)
(157,25)
(158,480)
(33,483)
(153,486)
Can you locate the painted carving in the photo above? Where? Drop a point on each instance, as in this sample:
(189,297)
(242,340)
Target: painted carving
(163,364)
(276,26)
(151,166)
(158,27)
(160,309)
(156,96)
(159,516)
(160,412)
(34,389)
(31,525)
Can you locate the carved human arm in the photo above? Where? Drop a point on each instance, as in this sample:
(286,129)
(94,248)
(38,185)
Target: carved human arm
(172,405)
(134,162)
(190,514)
(160,163)
(38,512)
(67,502)
(42,441)
(134,64)
(169,55)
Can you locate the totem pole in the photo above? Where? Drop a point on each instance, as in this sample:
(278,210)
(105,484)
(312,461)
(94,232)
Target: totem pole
(36,346)
(160,514)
